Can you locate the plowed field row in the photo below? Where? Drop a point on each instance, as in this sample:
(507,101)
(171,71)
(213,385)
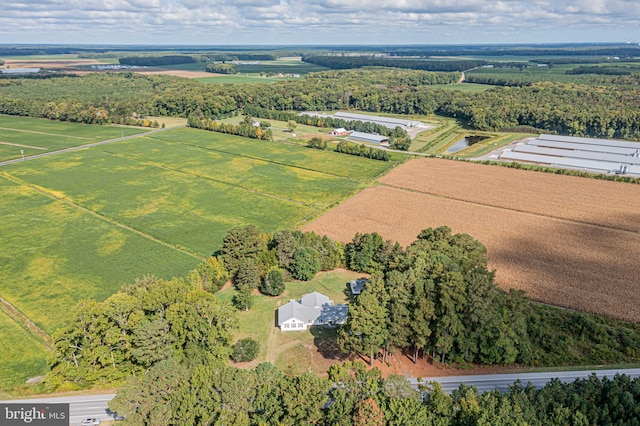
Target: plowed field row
(567,241)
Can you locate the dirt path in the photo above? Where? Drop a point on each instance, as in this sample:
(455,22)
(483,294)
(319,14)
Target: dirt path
(21,319)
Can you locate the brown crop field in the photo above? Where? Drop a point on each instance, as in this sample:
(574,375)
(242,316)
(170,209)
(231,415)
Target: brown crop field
(568,241)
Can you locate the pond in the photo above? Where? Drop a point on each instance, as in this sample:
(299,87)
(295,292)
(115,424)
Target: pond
(465,142)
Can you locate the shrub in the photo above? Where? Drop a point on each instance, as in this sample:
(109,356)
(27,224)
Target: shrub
(273,283)
(245,350)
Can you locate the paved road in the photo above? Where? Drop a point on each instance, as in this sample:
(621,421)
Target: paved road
(80,407)
(501,382)
(96,405)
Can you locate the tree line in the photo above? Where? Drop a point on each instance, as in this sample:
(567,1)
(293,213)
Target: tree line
(157,61)
(574,109)
(245,128)
(350,62)
(171,393)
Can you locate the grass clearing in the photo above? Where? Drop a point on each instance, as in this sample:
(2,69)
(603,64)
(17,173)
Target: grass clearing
(22,355)
(292,351)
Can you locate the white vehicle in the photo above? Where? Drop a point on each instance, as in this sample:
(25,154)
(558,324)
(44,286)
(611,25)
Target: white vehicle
(90,422)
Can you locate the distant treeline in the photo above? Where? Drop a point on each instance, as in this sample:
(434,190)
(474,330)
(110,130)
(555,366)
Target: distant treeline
(156,61)
(348,62)
(571,109)
(222,68)
(605,70)
(245,129)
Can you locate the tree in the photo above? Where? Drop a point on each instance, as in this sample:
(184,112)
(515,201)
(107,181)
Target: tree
(243,299)
(211,274)
(246,349)
(248,276)
(292,125)
(273,283)
(152,342)
(305,263)
(360,253)
(147,400)
(368,413)
(240,243)
(366,328)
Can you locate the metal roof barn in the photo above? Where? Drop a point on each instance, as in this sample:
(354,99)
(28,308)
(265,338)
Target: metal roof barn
(368,137)
(590,141)
(569,153)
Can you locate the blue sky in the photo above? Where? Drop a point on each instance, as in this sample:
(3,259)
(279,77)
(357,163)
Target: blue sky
(224,22)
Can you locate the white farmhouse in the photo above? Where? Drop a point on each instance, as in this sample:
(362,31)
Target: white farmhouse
(313,309)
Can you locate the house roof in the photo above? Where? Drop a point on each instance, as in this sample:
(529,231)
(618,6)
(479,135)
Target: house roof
(312,307)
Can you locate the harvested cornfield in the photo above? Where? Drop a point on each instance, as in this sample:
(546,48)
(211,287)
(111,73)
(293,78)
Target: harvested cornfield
(567,241)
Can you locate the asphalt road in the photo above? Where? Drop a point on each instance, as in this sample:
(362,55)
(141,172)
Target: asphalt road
(488,382)
(81,407)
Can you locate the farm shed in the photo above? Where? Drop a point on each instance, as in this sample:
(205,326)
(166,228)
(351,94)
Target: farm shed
(368,137)
(339,132)
(590,154)
(313,309)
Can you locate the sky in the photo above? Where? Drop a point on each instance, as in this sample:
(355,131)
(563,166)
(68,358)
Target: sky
(317,22)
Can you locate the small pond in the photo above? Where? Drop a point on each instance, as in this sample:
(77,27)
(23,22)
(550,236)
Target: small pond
(465,142)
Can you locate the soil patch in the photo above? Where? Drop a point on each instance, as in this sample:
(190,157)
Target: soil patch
(567,241)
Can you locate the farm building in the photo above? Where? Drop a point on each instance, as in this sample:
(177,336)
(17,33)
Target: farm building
(313,309)
(389,122)
(368,138)
(357,286)
(597,155)
(19,70)
(339,132)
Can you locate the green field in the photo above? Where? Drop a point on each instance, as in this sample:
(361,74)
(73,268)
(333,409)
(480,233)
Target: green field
(36,136)
(22,355)
(81,224)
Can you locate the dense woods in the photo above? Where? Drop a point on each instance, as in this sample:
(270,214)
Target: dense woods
(575,109)
(157,61)
(349,62)
(170,394)
(222,68)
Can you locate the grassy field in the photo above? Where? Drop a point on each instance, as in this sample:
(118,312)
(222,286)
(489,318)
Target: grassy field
(81,224)
(22,355)
(293,352)
(35,136)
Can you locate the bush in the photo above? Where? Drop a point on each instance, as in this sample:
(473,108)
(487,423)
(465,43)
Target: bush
(273,283)
(245,350)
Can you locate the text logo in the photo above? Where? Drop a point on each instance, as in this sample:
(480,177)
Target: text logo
(34,414)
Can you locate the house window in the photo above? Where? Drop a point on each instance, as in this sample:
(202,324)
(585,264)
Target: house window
(285,325)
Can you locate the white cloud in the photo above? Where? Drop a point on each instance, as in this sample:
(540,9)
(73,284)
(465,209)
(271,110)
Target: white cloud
(317,21)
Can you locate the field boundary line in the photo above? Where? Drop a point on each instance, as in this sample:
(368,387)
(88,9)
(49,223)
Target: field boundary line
(24,321)
(81,147)
(160,166)
(108,219)
(581,222)
(22,146)
(281,163)
(44,133)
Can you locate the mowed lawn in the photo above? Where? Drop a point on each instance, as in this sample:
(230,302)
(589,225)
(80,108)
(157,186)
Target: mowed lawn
(35,136)
(81,224)
(293,352)
(22,355)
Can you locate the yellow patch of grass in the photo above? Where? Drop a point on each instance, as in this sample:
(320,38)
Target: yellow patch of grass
(151,207)
(110,243)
